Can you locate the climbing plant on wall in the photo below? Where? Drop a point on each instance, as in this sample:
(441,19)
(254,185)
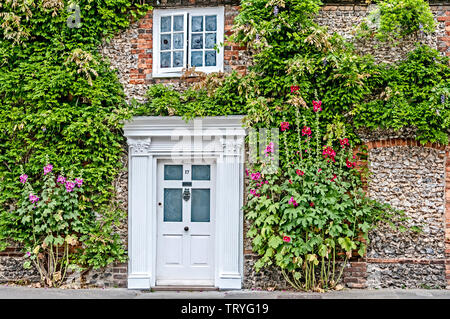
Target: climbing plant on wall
(61,103)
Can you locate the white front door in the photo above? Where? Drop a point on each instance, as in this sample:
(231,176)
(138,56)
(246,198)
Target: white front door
(185,214)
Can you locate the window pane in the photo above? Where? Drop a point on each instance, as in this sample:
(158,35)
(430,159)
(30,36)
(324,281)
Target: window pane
(201,172)
(178,23)
(178,40)
(173,205)
(200,205)
(211,23)
(165,59)
(173,172)
(210,58)
(197,41)
(197,24)
(210,40)
(177,59)
(197,58)
(165,24)
(165,41)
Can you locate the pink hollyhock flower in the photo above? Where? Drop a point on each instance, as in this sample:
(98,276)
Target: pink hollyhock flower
(267,182)
(299,172)
(253,192)
(246,172)
(70,186)
(319,170)
(23,178)
(290,182)
(293,202)
(33,198)
(284,126)
(269,149)
(61,179)
(79,181)
(306,131)
(317,106)
(286,239)
(28,254)
(256,176)
(48,168)
(294,88)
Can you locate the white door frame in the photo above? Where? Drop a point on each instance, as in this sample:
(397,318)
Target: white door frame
(154,138)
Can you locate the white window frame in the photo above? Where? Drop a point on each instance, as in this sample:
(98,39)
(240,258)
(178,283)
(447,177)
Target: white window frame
(159,72)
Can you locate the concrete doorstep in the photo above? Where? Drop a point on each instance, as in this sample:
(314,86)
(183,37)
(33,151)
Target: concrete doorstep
(18,292)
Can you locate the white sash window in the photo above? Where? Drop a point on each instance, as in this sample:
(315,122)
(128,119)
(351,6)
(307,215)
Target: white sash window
(186,38)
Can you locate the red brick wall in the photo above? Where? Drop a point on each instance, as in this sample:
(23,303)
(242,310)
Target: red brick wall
(143,46)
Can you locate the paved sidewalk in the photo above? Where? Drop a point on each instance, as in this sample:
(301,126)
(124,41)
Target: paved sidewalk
(121,293)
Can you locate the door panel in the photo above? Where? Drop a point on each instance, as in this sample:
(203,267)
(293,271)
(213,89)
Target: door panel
(185,240)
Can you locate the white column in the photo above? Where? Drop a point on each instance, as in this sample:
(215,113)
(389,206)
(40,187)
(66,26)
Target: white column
(228,221)
(139,217)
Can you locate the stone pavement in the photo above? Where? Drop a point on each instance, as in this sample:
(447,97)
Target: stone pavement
(7,292)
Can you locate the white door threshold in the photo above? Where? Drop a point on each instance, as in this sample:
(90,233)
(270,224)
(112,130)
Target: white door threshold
(184,288)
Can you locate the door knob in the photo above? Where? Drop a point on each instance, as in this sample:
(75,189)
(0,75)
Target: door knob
(186,228)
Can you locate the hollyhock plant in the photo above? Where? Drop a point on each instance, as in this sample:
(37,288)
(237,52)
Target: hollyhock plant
(284,126)
(333,213)
(46,222)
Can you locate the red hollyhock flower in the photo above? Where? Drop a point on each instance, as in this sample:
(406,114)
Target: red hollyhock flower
(329,152)
(286,239)
(344,142)
(306,130)
(294,88)
(317,106)
(311,204)
(284,126)
(299,172)
(334,177)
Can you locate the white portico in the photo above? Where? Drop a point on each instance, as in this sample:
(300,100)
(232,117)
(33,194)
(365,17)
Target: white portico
(185,198)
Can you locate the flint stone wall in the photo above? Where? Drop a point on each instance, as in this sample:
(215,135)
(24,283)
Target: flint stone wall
(412,179)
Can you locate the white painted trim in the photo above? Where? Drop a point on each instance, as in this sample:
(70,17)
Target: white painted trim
(157,72)
(151,139)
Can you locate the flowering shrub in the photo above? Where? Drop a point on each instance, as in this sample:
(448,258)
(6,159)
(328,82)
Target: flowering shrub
(312,214)
(54,227)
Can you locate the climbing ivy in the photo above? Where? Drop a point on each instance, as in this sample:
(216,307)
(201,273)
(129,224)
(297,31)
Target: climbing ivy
(61,103)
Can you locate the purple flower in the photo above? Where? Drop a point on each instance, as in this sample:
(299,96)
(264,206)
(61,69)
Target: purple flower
(257,37)
(33,198)
(79,181)
(23,178)
(61,179)
(69,186)
(442,98)
(28,254)
(275,11)
(48,168)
